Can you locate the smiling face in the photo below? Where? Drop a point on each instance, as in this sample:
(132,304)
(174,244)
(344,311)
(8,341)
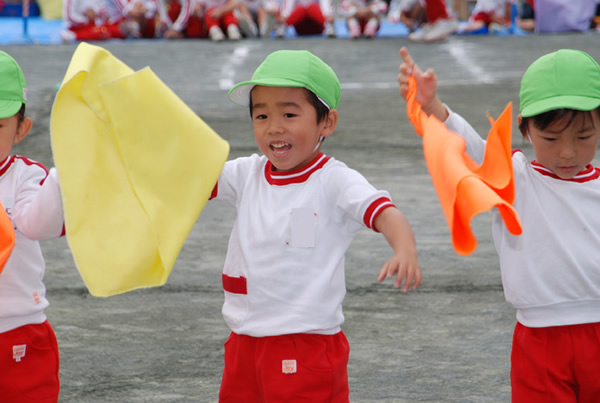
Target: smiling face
(286,128)
(566,149)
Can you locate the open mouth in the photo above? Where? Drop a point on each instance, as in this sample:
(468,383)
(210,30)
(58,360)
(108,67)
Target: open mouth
(280,148)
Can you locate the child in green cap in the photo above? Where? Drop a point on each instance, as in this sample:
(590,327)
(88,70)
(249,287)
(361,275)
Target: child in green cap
(31,197)
(551,272)
(297,213)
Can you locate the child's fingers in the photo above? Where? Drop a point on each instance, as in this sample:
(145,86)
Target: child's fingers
(410,67)
(411,277)
(402,78)
(429,75)
(405,69)
(406,58)
(403,276)
(382,273)
(387,271)
(418,279)
(406,273)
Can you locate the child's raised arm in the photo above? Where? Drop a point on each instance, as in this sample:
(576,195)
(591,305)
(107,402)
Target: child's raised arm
(395,228)
(426,84)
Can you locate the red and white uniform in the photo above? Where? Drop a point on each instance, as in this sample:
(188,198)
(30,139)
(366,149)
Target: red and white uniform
(210,4)
(74,12)
(436,10)
(76,20)
(254,5)
(348,8)
(326,6)
(551,272)
(551,275)
(118,9)
(180,20)
(489,10)
(224,21)
(284,270)
(29,355)
(31,197)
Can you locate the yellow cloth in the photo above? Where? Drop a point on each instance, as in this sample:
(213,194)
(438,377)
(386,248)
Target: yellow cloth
(465,188)
(7,238)
(136,167)
(51,9)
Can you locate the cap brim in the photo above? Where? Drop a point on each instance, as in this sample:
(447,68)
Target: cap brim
(561,102)
(240,94)
(9,108)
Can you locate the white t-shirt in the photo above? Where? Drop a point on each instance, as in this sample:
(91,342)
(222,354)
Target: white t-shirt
(31,198)
(284,270)
(551,272)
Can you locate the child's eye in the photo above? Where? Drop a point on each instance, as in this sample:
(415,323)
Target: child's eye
(549,138)
(260,117)
(585,137)
(289,115)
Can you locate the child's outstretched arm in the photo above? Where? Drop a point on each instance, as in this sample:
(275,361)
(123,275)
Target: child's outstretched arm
(397,231)
(431,104)
(426,86)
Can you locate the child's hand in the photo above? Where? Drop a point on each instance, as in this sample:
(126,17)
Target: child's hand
(173,34)
(198,10)
(137,11)
(90,14)
(426,86)
(216,13)
(406,268)
(364,12)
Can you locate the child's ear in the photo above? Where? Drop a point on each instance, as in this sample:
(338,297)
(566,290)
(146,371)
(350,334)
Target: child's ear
(524,132)
(22,129)
(330,123)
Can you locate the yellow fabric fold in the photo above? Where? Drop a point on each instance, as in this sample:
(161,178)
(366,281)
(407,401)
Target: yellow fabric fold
(136,167)
(465,188)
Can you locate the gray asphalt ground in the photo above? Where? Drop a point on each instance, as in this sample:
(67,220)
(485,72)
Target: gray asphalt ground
(449,341)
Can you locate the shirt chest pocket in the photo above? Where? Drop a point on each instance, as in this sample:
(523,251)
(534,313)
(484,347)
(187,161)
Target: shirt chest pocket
(302,228)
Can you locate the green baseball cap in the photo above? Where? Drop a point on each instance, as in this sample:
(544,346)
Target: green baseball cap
(13,89)
(292,68)
(566,78)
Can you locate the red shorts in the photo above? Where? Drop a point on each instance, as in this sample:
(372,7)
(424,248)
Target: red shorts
(287,368)
(556,364)
(307,20)
(29,364)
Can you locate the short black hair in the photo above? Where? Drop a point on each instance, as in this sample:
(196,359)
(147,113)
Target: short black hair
(320,107)
(545,119)
(21,113)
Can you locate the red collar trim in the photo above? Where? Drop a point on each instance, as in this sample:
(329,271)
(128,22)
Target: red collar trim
(4,165)
(588,174)
(297,176)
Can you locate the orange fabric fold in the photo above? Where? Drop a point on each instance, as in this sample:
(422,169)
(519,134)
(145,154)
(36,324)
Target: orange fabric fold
(465,188)
(7,237)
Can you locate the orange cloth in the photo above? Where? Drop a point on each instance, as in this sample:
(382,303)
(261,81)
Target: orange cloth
(7,238)
(465,188)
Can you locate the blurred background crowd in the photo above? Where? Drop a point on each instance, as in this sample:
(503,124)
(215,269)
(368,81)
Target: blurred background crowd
(219,20)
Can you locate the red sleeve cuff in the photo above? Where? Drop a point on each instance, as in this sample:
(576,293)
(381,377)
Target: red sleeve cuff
(375,209)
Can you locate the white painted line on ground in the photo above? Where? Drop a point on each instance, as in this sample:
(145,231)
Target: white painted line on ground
(477,73)
(226,82)
(369,86)
(393,84)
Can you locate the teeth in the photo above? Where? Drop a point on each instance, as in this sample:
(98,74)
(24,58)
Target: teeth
(279,145)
